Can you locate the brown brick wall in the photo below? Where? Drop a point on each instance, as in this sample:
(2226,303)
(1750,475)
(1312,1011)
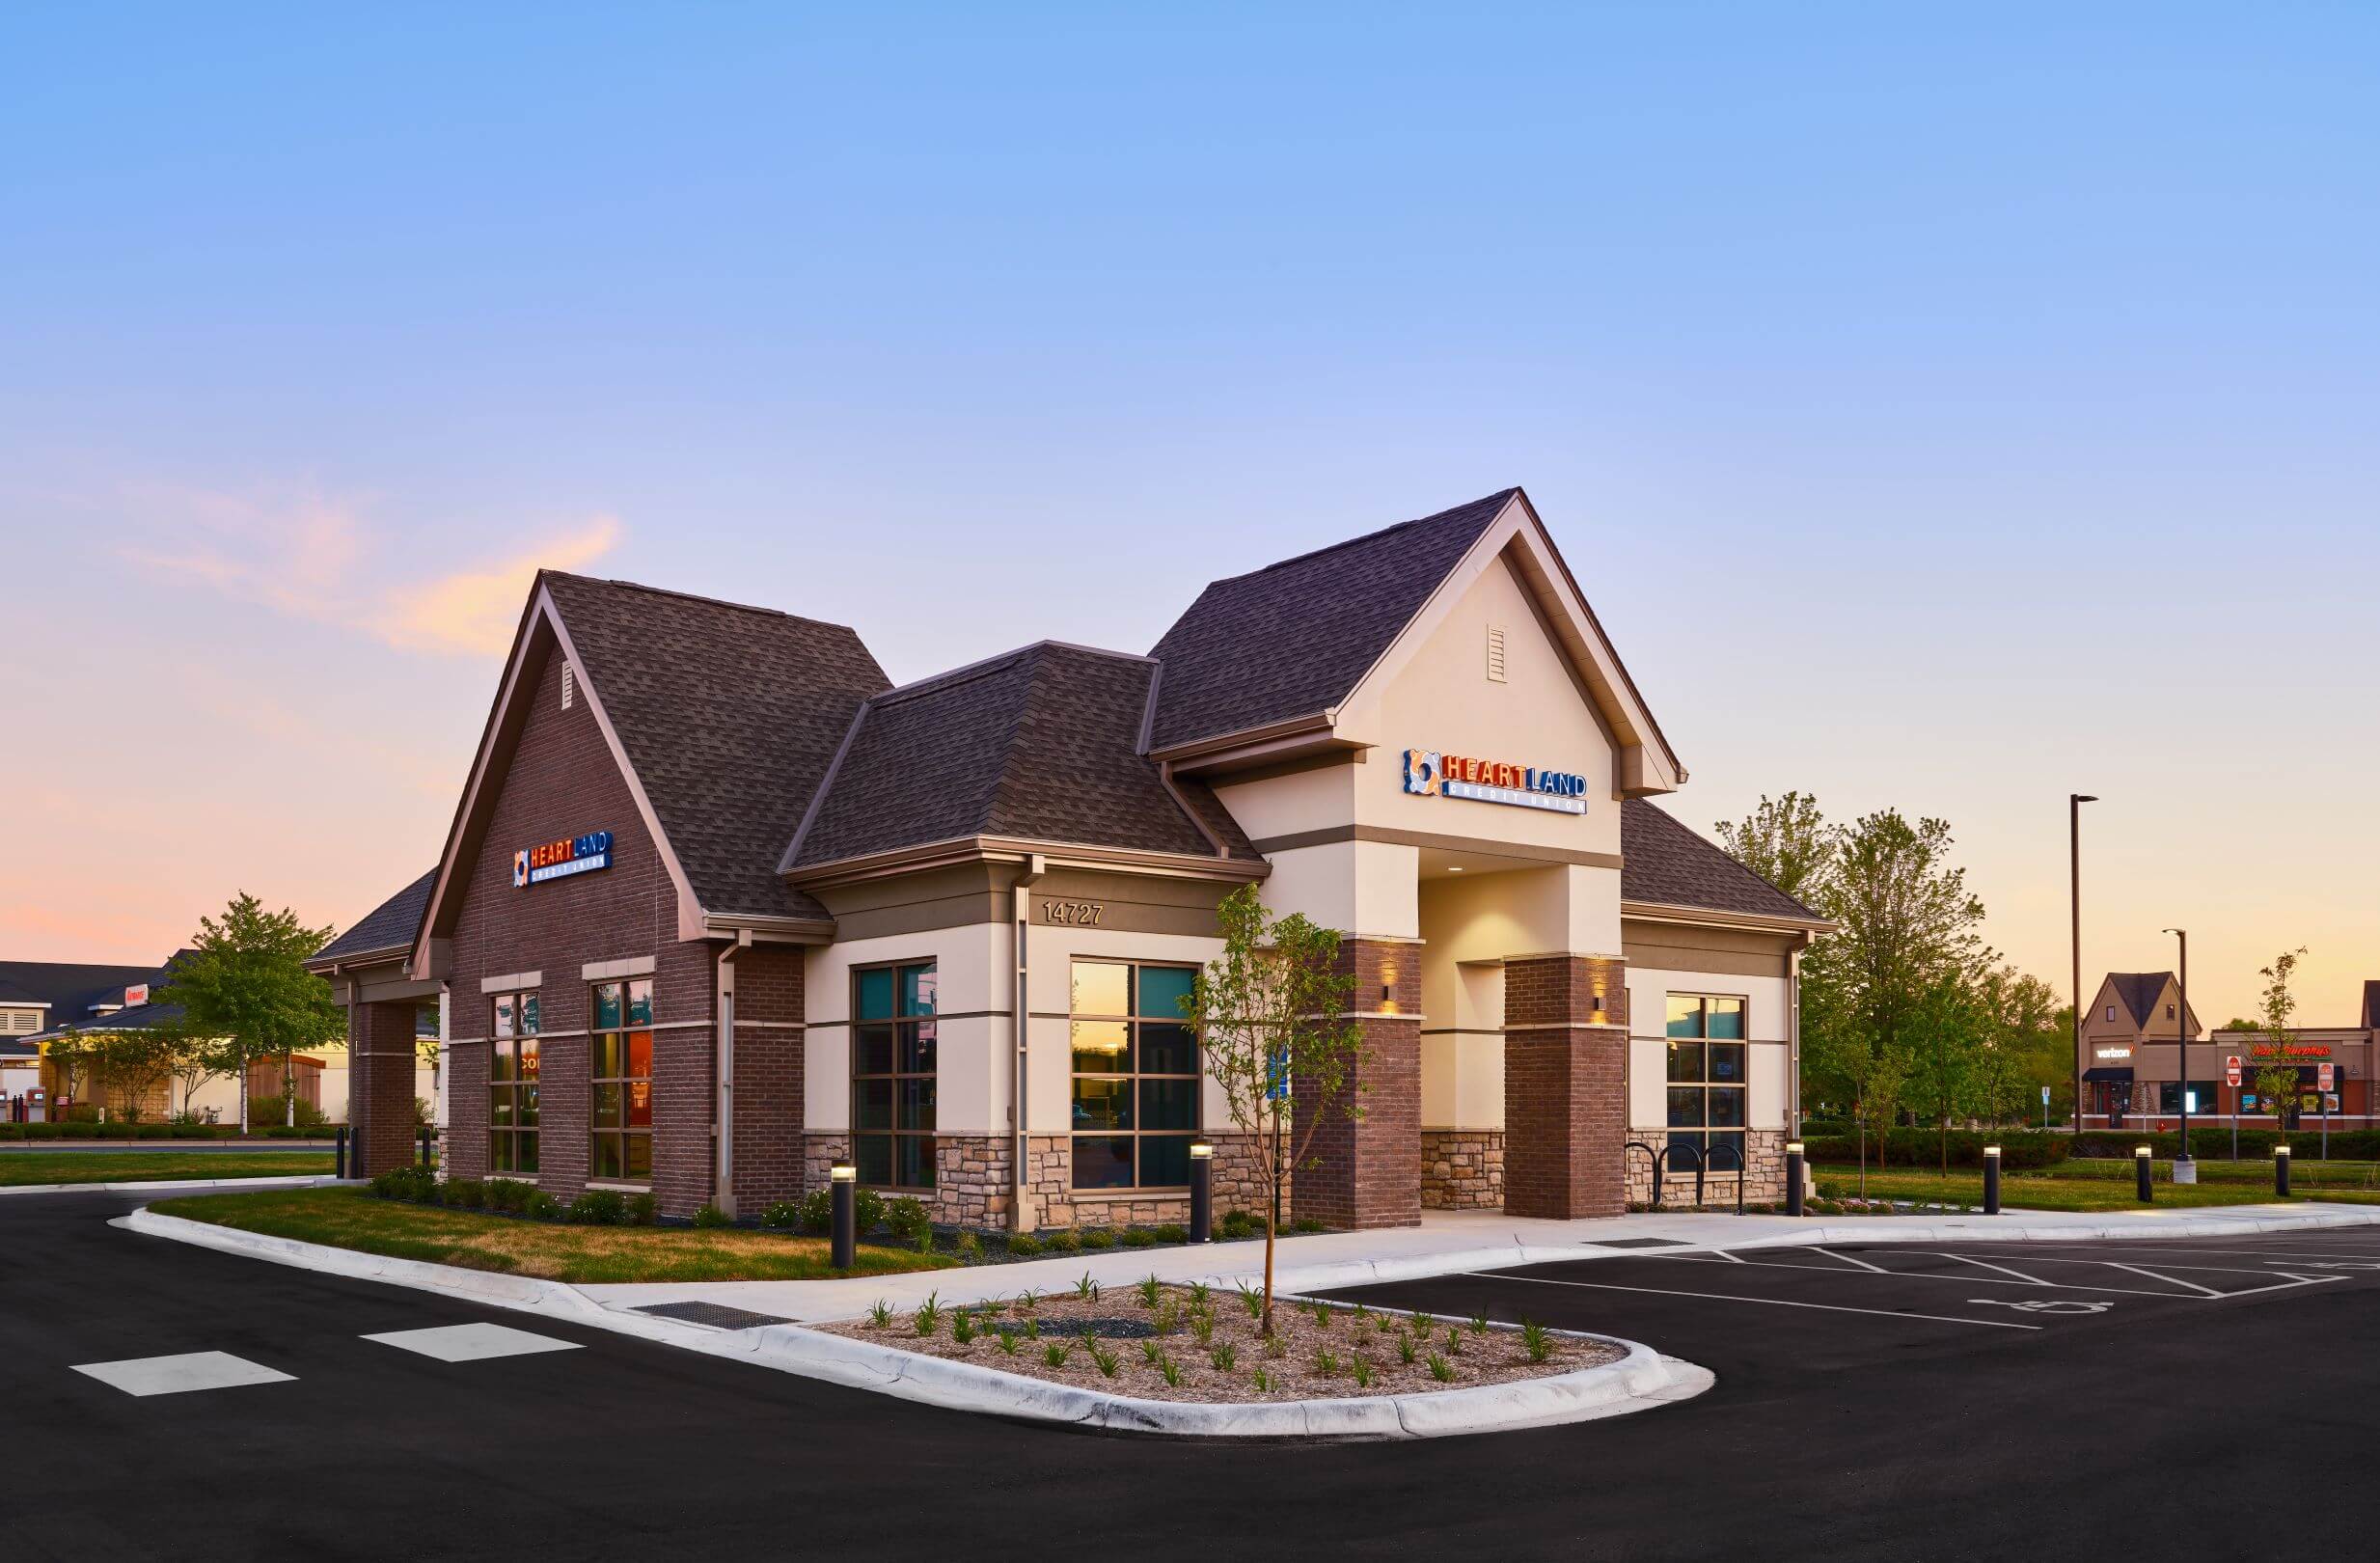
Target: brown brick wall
(1565,1087)
(563,782)
(380,1061)
(1365,1171)
(769,1151)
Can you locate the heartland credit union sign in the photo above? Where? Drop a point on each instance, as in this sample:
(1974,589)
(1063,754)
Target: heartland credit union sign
(558,860)
(1430,773)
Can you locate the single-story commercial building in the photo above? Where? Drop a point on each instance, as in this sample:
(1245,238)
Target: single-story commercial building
(721,906)
(2132,1078)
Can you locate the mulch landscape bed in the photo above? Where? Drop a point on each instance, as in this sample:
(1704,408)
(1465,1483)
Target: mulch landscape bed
(1159,1342)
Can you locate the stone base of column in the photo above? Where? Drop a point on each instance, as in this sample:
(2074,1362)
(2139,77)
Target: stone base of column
(1462,1169)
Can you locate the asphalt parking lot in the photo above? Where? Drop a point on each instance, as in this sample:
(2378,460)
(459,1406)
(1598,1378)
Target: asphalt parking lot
(1965,1401)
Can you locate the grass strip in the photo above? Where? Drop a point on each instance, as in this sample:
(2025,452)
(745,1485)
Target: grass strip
(21,1168)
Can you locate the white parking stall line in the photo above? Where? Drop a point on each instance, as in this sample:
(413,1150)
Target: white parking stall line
(2205,1291)
(1968,1259)
(146,1375)
(2195,1293)
(1761,1301)
(1848,1260)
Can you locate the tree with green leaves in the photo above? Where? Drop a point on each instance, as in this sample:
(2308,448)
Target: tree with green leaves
(128,1065)
(244,990)
(1946,1029)
(1272,1017)
(2029,1040)
(1787,843)
(2279,1079)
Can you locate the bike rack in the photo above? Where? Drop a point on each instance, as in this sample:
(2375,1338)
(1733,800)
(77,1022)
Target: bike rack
(1702,1167)
(1653,1156)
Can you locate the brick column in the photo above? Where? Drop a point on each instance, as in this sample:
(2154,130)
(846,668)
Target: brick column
(1565,1087)
(768,1077)
(380,1063)
(1367,1171)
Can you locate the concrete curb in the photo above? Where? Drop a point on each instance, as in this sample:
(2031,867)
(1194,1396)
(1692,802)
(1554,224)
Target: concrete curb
(1640,1381)
(175,1185)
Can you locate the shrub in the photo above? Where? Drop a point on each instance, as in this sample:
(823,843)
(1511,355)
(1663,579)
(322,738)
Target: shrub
(413,1183)
(782,1214)
(1239,1224)
(1172,1232)
(641,1210)
(909,1220)
(1922,1148)
(466,1194)
(967,1245)
(1024,1244)
(1535,1341)
(1305,1223)
(1137,1238)
(708,1215)
(1065,1240)
(1098,1237)
(508,1194)
(152,1131)
(868,1211)
(816,1211)
(541,1206)
(269,1111)
(598,1207)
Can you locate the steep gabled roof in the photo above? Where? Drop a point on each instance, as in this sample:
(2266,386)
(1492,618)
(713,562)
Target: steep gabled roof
(729,716)
(1664,864)
(2138,991)
(1294,639)
(2371,1005)
(1040,744)
(390,925)
(71,988)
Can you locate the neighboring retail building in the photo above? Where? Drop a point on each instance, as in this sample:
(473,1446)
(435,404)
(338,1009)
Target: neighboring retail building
(2133,1079)
(720,906)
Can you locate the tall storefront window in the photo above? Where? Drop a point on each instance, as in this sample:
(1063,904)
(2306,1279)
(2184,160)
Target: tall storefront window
(2202,1097)
(1707,1078)
(621,1067)
(512,1084)
(1136,1076)
(892,1075)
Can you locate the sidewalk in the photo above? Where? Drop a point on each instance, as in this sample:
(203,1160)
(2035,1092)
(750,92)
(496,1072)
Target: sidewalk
(1448,1242)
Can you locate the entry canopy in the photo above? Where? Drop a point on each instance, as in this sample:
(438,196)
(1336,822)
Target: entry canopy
(2109,1076)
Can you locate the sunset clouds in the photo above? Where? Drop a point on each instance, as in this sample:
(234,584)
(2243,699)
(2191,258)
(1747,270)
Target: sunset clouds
(321,558)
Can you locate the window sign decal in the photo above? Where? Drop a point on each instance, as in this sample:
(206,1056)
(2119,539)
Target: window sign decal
(1430,773)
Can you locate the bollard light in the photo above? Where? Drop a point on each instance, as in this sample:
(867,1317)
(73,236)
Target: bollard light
(2281,1170)
(2142,1168)
(1793,1177)
(1991,1180)
(1202,1191)
(842,1179)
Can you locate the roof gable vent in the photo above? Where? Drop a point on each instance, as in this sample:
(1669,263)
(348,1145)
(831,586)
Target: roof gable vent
(569,685)
(1496,653)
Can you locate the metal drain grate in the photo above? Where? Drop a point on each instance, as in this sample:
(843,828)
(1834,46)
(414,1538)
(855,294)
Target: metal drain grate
(717,1315)
(1640,1243)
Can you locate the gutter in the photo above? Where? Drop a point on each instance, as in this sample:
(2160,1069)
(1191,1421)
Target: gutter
(1022,906)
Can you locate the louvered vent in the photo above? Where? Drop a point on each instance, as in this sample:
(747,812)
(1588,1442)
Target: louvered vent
(568,686)
(1496,654)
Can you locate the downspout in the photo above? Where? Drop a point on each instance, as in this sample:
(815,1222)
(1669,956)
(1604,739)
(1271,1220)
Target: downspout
(723,1175)
(1792,1034)
(1020,1032)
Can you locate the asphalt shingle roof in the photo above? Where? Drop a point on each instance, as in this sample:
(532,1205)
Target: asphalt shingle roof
(729,716)
(1294,639)
(1039,744)
(394,923)
(1664,862)
(2138,992)
(71,988)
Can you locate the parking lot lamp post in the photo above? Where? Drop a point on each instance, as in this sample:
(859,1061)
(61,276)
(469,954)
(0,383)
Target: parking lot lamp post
(2185,1170)
(843,1179)
(2075,850)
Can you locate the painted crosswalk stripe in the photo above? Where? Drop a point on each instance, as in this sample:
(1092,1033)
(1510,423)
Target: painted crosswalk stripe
(180,1374)
(472,1342)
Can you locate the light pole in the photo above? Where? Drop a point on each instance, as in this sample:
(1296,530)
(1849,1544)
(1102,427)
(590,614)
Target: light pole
(2074,802)
(2185,1170)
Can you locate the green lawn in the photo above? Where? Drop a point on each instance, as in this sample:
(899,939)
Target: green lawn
(2098,1184)
(21,1168)
(351,1218)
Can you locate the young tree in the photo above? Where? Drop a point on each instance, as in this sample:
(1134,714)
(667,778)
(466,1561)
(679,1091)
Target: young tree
(1948,1030)
(2279,1079)
(245,987)
(128,1065)
(1271,1011)
(1787,843)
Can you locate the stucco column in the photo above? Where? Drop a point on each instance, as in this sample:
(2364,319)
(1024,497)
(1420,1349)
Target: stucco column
(1565,1087)
(1367,1170)
(380,1070)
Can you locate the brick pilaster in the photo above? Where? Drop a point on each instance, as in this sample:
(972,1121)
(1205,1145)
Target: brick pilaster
(1565,1087)
(1366,1171)
(768,1077)
(381,1064)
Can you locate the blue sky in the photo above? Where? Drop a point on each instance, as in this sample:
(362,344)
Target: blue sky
(1942,408)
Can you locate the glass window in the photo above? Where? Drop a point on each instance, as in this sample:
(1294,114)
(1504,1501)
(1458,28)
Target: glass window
(1708,1077)
(620,1070)
(512,1084)
(2203,1098)
(892,1075)
(1136,1076)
